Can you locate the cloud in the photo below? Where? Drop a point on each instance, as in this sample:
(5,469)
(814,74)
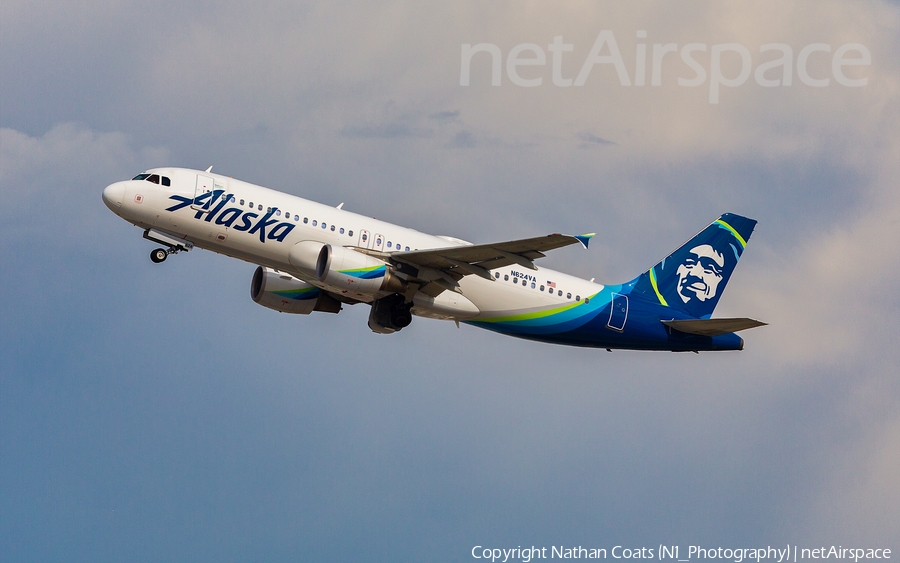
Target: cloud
(387,131)
(57,178)
(138,396)
(445,115)
(589,140)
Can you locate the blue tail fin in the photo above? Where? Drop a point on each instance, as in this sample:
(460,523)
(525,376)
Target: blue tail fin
(692,278)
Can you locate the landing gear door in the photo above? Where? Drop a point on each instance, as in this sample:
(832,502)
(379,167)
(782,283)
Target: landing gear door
(618,312)
(204,186)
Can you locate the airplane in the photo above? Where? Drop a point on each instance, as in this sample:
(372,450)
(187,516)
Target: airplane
(314,257)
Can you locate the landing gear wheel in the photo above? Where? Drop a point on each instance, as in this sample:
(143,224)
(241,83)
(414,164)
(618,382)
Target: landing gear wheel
(159,255)
(401,317)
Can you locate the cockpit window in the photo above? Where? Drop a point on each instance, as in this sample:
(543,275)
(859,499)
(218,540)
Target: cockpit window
(155,178)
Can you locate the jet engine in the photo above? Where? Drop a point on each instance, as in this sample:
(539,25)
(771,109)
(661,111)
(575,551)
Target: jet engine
(346,269)
(285,293)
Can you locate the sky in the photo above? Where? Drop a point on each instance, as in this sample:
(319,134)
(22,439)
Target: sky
(155,413)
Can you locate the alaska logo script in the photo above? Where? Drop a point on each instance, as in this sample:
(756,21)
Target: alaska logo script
(230,215)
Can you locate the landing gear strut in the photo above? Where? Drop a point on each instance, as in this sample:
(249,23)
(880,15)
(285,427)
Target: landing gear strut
(159,255)
(171,243)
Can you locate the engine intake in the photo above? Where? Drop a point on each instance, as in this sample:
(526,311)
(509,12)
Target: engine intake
(285,293)
(346,269)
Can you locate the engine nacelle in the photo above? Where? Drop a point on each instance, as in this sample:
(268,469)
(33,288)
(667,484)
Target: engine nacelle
(285,293)
(345,269)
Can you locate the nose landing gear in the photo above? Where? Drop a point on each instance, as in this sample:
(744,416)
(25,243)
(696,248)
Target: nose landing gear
(172,244)
(159,255)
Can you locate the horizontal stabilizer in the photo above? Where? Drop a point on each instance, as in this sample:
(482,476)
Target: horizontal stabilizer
(712,327)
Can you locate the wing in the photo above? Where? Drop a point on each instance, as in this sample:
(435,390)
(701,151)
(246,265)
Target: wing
(440,269)
(712,327)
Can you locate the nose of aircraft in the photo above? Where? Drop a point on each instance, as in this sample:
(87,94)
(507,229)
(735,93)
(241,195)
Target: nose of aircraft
(113,195)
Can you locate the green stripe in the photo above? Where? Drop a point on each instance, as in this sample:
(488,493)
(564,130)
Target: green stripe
(298,291)
(655,288)
(536,314)
(362,270)
(735,233)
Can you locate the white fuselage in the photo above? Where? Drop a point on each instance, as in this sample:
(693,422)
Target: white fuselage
(235,227)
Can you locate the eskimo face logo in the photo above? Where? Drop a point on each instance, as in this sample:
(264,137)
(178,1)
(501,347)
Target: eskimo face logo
(229,216)
(700,273)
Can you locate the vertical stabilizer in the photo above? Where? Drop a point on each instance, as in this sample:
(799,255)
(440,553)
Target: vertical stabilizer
(692,278)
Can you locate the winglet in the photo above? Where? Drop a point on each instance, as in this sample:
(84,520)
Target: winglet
(585,239)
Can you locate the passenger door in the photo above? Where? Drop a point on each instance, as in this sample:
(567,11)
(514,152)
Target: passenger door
(204,186)
(618,312)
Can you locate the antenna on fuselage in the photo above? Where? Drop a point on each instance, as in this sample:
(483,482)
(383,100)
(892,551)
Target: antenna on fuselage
(209,169)
(341,205)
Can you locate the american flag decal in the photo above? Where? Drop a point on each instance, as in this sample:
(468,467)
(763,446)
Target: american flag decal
(551,284)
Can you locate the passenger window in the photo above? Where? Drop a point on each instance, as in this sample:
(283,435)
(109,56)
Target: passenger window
(314,223)
(587,300)
(342,230)
(166,181)
(568,296)
(560,293)
(497,275)
(232,199)
(365,238)
(154,178)
(406,249)
(516,280)
(505,277)
(305,220)
(242,202)
(296,217)
(542,288)
(260,207)
(324,225)
(350,234)
(332,228)
(577,298)
(389,244)
(278,213)
(251,205)
(532,285)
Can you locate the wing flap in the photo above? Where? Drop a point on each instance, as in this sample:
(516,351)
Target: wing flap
(493,255)
(439,269)
(712,327)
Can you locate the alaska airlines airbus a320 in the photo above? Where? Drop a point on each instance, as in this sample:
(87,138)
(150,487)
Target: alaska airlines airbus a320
(313,257)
